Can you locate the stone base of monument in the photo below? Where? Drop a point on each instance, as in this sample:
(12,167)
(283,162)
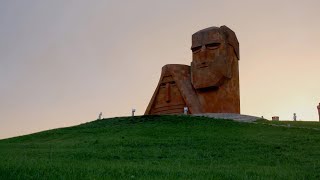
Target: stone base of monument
(232,116)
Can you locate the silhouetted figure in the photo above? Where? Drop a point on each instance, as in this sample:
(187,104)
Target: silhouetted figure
(133,110)
(100,116)
(319,110)
(294,117)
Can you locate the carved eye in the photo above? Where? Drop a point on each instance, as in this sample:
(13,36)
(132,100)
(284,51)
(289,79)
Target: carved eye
(163,85)
(213,45)
(196,49)
(172,82)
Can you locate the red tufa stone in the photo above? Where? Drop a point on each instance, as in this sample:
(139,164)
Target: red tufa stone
(209,85)
(174,92)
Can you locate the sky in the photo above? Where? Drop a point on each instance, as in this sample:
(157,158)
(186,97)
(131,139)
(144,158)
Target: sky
(63,62)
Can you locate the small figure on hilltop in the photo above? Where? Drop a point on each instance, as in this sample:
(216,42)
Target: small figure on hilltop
(132,112)
(319,110)
(294,117)
(185,110)
(100,116)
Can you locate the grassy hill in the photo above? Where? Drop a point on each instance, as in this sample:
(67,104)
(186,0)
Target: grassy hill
(165,147)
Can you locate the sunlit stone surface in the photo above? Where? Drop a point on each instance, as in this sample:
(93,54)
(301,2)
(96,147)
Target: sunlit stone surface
(209,85)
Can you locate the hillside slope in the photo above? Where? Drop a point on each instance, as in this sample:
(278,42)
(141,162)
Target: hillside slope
(170,147)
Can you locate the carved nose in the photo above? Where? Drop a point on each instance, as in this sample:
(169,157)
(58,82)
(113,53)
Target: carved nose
(203,48)
(168,93)
(203,54)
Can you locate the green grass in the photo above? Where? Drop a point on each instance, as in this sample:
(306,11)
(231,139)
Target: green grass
(301,124)
(164,147)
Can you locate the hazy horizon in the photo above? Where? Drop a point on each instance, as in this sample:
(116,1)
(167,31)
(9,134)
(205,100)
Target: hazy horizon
(63,62)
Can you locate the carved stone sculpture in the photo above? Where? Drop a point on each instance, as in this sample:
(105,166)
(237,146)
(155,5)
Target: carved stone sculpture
(215,71)
(174,92)
(210,85)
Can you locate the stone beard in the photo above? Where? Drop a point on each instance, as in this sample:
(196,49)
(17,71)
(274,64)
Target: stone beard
(209,85)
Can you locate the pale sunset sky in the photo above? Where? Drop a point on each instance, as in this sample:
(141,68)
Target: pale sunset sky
(62,62)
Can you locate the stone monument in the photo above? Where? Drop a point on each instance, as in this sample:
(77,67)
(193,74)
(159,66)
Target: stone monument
(209,85)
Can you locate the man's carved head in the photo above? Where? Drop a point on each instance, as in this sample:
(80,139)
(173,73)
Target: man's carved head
(214,50)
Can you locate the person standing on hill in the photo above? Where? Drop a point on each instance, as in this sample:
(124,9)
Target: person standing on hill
(100,116)
(319,110)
